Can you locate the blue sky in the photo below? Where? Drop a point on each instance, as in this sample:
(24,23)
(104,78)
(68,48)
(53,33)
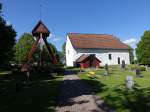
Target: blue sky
(126,19)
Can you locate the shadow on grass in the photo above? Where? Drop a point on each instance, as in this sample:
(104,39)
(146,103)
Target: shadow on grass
(95,86)
(98,87)
(120,99)
(136,100)
(41,95)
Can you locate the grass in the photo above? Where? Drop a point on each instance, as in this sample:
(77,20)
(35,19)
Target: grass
(41,95)
(112,89)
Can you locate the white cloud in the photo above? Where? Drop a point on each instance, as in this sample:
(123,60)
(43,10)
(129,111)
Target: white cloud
(132,42)
(56,39)
(53,38)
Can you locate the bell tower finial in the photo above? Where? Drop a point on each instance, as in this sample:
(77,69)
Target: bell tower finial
(40,11)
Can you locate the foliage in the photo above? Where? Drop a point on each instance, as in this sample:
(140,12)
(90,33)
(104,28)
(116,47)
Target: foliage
(63,48)
(142,68)
(143,49)
(133,67)
(46,57)
(55,51)
(7,36)
(64,52)
(134,61)
(23,47)
(61,57)
(131,55)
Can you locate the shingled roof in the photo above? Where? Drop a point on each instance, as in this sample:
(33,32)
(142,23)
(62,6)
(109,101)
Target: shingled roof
(102,41)
(40,28)
(82,58)
(86,56)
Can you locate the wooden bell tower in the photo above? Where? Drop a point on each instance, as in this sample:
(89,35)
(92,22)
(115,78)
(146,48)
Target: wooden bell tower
(40,31)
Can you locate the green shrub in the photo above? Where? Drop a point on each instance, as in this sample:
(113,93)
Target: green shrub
(101,67)
(142,68)
(134,62)
(70,67)
(133,67)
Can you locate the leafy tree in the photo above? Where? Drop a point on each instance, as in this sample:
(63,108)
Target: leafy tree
(46,57)
(7,36)
(143,49)
(61,57)
(63,48)
(63,52)
(23,47)
(131,55)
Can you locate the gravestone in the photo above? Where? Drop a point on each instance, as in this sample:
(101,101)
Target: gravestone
(138,72)
(28,77)
(106,70)
(123,65)
(129,83)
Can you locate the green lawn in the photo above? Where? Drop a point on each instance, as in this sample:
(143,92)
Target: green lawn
(40,95)
(112,90)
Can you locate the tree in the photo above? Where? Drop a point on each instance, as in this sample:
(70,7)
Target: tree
(61,57)
(46,57)
(7,42)
(23,47)
(131,55)
(143,49)
(64,52)
(64,48)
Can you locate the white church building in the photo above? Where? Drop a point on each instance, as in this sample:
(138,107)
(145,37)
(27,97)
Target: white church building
(106,48)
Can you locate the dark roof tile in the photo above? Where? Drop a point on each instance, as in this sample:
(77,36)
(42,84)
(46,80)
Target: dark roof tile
(96,41)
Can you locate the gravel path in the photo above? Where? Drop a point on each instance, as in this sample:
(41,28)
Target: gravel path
(76,97)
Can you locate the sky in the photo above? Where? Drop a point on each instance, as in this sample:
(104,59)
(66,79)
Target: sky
(125,19)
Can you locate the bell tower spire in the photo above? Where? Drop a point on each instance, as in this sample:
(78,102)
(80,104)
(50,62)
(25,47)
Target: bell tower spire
(40,11)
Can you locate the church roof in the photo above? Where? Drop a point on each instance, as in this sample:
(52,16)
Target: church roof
(102,41)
